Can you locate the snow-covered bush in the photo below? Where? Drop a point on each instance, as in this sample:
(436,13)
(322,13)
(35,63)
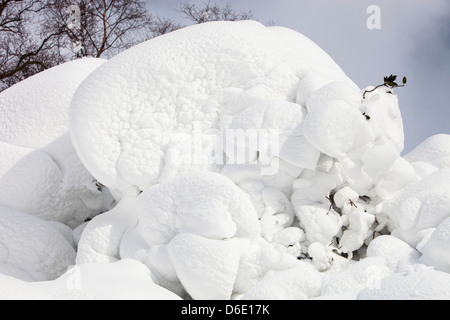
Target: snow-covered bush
(245,165)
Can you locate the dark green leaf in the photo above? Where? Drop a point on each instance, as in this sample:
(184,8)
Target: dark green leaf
(404,80)
(391,78)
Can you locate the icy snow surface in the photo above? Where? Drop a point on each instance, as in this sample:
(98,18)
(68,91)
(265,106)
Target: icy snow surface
(244,164)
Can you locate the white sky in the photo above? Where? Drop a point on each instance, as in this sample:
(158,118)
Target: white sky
(414,41)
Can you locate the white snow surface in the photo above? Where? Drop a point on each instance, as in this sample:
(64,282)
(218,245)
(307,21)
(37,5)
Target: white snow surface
(41,174)
(35,112)
(137,125)
(244,164)
(32,249)
(436,250)
(427,284)
(124,280)
(435,150)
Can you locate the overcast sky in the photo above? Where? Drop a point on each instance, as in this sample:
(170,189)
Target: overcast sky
(414,41)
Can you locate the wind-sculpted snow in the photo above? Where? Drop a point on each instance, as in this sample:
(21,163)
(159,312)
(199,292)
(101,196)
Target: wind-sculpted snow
(41,173)
(245,165)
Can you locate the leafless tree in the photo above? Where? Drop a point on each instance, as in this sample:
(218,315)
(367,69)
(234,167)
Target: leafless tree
(212,12)
(162,26)
(23,51)
(13,12)
(36,35)
(105,27)
(197,14)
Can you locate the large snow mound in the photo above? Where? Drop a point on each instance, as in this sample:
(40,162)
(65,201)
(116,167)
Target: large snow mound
(134,120)
(34,125)
(317,159)
(245,165)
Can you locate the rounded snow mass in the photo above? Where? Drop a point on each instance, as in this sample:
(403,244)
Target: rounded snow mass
(133,122)
(40,172)
(319,206)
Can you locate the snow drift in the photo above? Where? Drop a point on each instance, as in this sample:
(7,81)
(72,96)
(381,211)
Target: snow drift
(246,165)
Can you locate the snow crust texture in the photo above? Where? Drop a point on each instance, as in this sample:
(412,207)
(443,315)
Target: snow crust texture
(243,163)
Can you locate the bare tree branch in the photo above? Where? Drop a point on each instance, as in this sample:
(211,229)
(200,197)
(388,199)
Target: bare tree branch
(107,26)
(35,34)
(22,52)
(212,12)
(162,26)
